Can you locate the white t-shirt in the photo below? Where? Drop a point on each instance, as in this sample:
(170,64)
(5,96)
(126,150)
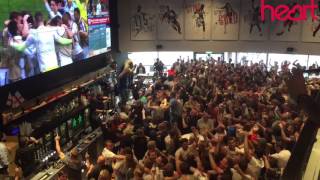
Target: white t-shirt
(44,40)
(64,52)
(237,176)
(254,167)
(77,49)
(282,157)
(109,155)
(98,12)
(3,155)
(205,125)
(190,135)
(31,50)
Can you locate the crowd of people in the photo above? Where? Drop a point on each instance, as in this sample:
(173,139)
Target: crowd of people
(36,43)
(208,120)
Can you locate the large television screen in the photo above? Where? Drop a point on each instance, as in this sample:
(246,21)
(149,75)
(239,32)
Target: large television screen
(38,36)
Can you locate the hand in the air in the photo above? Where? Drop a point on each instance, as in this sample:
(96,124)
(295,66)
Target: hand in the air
(296,84)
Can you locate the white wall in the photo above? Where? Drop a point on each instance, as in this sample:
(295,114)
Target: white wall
(126,45)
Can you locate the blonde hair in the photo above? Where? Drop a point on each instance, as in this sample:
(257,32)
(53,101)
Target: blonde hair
(104,175)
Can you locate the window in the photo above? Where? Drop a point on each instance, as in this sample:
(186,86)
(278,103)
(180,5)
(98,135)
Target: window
(232,55)
(205,56)
(314,60)
(251,57)
(291,58)
(149,58)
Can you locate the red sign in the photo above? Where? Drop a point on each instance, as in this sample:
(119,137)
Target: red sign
(97,21)
(284,12)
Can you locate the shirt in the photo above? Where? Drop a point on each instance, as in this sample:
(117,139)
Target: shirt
(237,176)
(254,167)
(82,28)
(77,49)
(44,39)
(25,159)
(282,158)
(202,124)
(189,135)
(98,12)
(70,9)
(109,155)
(3,156)
(64,51)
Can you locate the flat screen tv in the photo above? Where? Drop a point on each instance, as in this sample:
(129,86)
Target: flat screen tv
(38,36)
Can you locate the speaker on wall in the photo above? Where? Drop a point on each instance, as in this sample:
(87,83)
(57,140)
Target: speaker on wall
(159,46)
(290,49)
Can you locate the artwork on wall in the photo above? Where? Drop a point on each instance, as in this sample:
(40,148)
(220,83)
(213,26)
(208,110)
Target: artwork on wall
(286,30)
(251,25)
(226,19)
(311,28)
(170,20)
(197,19)
(143,20)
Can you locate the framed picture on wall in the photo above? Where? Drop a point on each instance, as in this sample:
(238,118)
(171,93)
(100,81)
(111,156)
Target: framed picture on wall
(170,20)
(225,19)
(252,27)
(285,30)
(311,28)
(197,19)
(143,20)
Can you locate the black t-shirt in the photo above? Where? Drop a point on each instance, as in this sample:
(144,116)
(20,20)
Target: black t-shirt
(73,168)
(160,140)
(96,104)
(25,159)
(140,147)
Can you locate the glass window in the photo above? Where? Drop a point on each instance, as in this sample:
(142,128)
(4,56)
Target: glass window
(169,57)
(146,58)
(205,56)
(314,61)
(232,55)
(251,57)
(291,58)
(149,58)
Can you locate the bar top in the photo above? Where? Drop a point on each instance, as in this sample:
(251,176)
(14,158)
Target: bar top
(53,170)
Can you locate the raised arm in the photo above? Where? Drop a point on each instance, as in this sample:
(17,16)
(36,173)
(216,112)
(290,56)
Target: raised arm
(283,134)
(21,46)
(58,148)
(25,30)
(213,164)
(48,8)
(61,40)
(246,146)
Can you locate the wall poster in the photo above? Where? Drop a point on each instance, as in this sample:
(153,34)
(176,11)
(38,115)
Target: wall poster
(197,19)
(170,19)
(226,19)
(251,25)
(311,28)
(143,20)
